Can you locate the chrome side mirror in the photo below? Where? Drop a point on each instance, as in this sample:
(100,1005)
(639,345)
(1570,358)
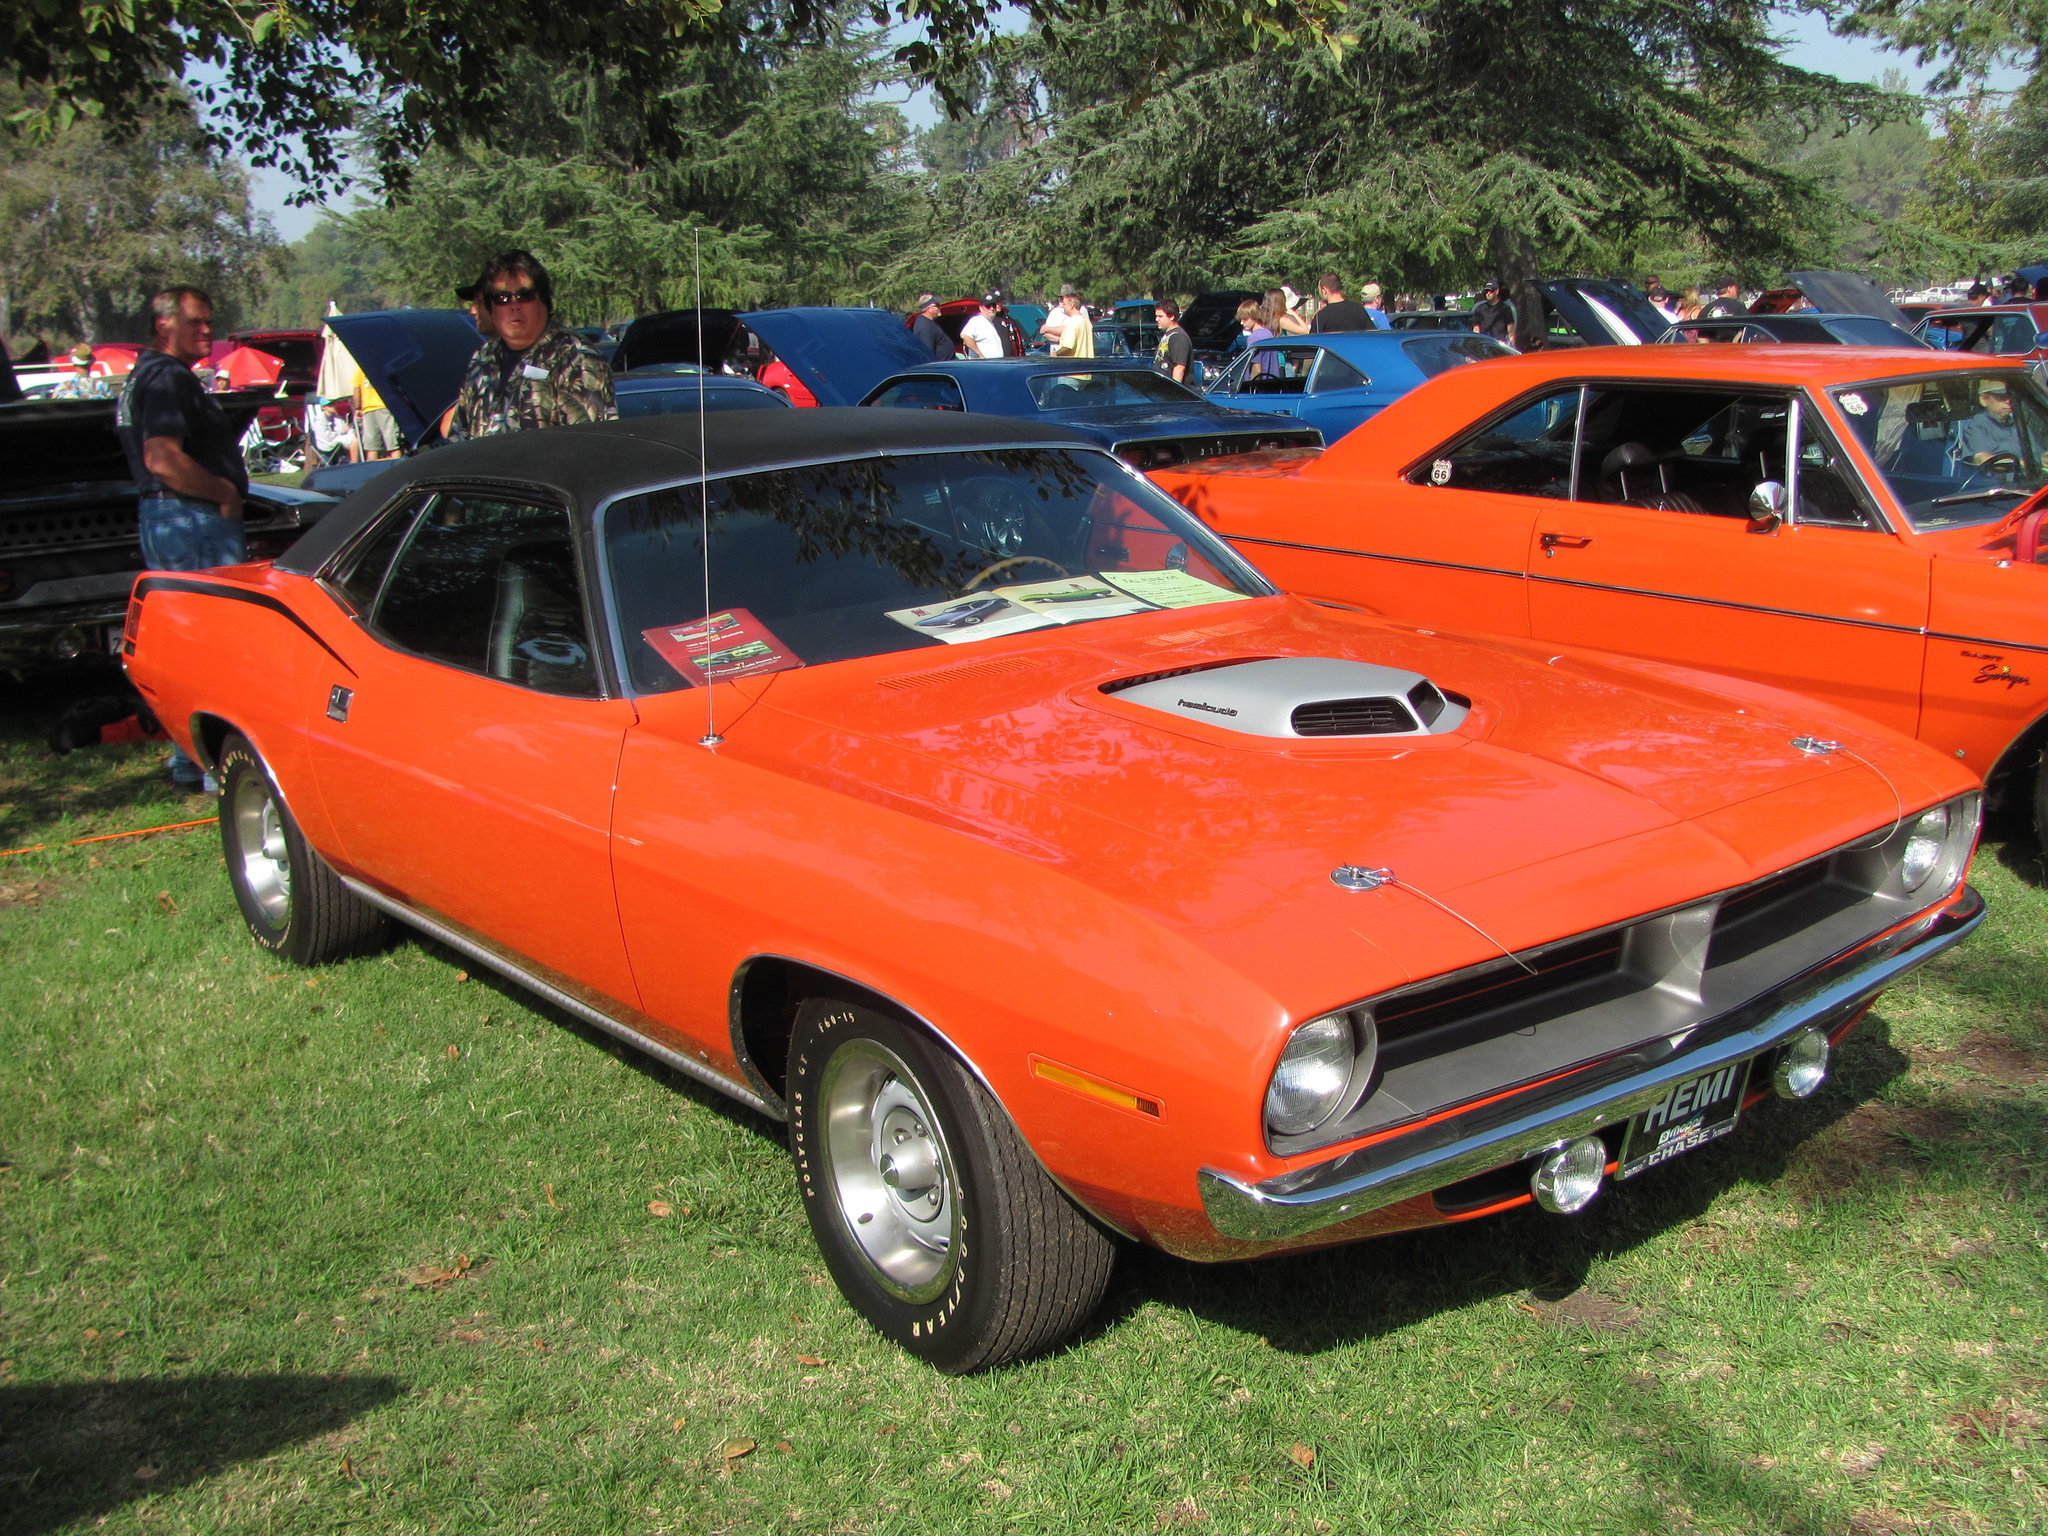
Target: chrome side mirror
(2040,340)
(1768,505)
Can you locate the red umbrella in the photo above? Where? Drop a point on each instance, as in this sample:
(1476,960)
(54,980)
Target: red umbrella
(247,368)
(114,358)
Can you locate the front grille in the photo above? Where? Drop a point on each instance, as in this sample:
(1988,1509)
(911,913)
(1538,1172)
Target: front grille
(51,528)
(1352,717)
(1504,986)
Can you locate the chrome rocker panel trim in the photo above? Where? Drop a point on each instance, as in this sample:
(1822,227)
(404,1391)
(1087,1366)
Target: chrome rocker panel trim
(533,981)
(1357,1183)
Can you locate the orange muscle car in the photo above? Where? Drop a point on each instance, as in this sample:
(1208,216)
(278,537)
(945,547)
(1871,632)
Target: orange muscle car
(1187,911)
(1859,525)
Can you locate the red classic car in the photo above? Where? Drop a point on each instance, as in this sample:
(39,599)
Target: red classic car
(1860,525)
(1152,904)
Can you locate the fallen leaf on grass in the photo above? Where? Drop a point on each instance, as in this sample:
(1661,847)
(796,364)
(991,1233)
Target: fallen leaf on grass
(466,1336)
(437,1277)
(462,975)
(166,901)
(886,1429)
(144,1474)
(809,1360)
(348,1466)
(675,1426)
(548,1190)
(454,1051)
(784,1446)
(735,1449)
(1302,1456)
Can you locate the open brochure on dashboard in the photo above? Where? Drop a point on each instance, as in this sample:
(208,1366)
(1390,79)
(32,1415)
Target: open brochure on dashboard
(1041,604)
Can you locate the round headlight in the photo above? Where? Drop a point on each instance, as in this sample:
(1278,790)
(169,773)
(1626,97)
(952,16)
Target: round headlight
(1320,1063)
(1802,1065)
(1923,848)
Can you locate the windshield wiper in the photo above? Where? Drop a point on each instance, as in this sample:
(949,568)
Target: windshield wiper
(1990,493)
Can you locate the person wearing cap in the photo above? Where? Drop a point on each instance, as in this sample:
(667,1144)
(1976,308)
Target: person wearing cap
(1337,312)
(1375,311)
(1493,315)
(1991,433)
(980,334)
(533,373)
(1728,302)
(83,383)
(924,325)
(472,297)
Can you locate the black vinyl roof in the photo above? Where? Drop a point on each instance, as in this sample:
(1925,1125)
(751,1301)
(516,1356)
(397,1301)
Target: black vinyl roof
(587,465)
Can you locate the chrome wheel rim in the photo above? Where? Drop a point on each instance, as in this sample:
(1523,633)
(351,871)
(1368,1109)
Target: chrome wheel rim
(892,1173)
(258,824)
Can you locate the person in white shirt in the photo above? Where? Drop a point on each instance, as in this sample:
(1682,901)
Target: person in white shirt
(1071,327)
(979,334)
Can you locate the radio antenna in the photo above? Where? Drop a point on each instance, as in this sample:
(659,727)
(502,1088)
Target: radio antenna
(710,738)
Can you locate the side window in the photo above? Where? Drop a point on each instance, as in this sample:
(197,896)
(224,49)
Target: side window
(1681,449)
(489,585)
(1826,496)
(2013,336)
(1332,373)
(930,393)
(1526,454)
(1441,353)
(361,574)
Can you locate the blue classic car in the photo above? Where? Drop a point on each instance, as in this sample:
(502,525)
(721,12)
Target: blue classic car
(1143,417)
(1334,380)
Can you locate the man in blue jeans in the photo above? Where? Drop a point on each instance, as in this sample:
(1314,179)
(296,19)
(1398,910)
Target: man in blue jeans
(186,457)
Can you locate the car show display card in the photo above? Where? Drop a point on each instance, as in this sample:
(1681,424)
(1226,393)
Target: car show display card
(1172,589)
(977,616)
(1074,598)
(726,645)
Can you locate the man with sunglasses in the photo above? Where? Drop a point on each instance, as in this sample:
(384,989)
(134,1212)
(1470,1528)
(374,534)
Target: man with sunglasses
(532,373)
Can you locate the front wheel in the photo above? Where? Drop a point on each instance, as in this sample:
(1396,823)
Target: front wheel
(937,1222)
(292,900)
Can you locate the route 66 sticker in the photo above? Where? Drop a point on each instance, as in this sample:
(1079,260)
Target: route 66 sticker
(1440,472)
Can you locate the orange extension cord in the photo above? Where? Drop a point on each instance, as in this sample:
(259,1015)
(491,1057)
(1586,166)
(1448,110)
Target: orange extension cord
(108,837)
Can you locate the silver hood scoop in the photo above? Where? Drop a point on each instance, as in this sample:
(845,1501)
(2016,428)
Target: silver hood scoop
(1308,698)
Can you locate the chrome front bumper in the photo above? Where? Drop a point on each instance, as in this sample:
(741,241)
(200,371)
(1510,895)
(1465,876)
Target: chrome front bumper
(1494,1135)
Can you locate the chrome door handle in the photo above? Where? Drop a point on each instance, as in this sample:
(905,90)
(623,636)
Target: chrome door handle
(1553,542)
(338,701)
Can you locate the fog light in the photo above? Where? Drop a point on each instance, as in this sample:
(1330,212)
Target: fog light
(1802,1066)
(67,645)
(1568,1178)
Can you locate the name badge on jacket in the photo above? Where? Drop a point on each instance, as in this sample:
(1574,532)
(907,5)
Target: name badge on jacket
(538,374)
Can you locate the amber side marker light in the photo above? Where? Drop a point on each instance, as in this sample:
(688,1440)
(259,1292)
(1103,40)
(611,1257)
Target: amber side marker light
(1095,1088)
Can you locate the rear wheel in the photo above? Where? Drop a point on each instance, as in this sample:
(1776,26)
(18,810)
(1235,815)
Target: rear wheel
(294,903)
(937,1222)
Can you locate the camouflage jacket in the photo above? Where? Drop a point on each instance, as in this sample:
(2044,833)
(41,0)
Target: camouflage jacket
(576,386)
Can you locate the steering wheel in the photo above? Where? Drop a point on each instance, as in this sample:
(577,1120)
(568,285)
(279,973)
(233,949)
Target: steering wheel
(2002,463)
(1003,565)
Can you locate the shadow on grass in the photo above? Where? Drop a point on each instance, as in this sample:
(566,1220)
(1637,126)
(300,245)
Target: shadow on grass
(39,787)
(73,1451)
(1315,1301)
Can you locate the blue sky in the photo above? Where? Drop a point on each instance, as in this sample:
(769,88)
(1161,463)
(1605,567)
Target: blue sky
(1809,45)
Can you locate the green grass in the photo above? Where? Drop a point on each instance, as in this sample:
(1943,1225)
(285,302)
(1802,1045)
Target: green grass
(238,1199)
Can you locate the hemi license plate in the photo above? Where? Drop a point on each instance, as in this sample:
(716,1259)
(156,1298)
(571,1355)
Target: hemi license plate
(1699,1110)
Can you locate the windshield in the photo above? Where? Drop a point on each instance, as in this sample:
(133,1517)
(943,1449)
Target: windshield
(1110,386)
(865,556)
(1957,448)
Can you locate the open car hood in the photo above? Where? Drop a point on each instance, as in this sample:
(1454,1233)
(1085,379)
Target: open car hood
(672,335)
(839,354)
(1835,293)
(415,358)
(1593,306)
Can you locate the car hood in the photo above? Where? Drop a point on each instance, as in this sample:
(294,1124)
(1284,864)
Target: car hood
(50,446)
(1581,790)
(673,336)
(840,354)
(414,358)
(1122,422)
(1846,293)
(1587,302)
